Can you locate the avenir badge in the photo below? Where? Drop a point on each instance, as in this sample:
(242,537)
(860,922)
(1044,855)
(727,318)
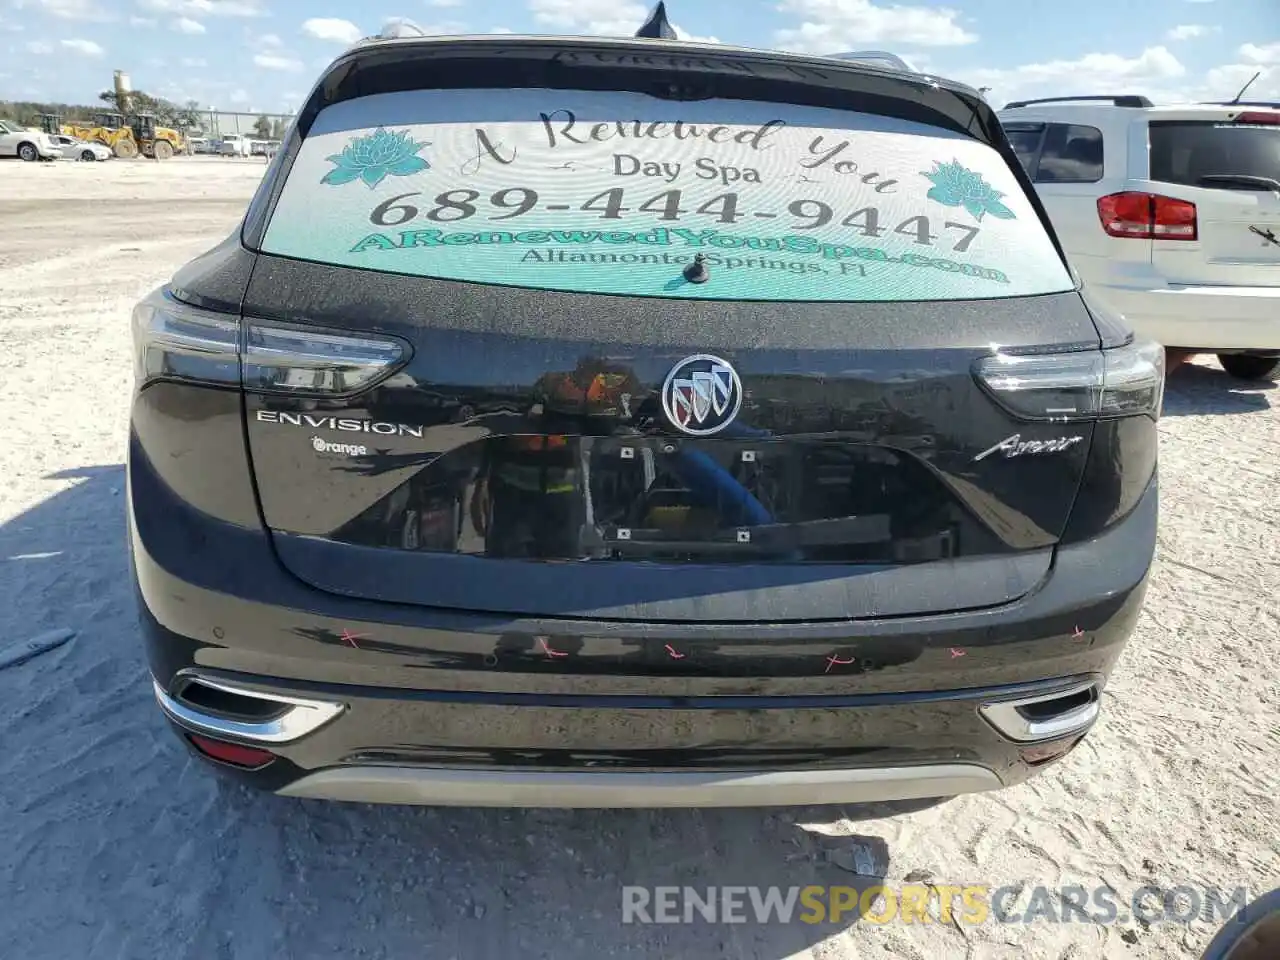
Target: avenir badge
(702,395)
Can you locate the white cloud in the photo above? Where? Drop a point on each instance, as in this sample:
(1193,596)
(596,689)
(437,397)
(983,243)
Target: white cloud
(40,48)
(444,3)
(1189,31)
(613,18)
(830,26)
(686,35)
(332,29)
(270,40)
(1152,72)
(188,26)
(271,61)
(501,30)
(1270,53)
(194,62)
(69,9)
(238,96)
(86,47)
(205,8)
(142,21)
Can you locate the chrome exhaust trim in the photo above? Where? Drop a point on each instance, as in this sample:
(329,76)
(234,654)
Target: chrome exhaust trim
(299,717)
(1013,720)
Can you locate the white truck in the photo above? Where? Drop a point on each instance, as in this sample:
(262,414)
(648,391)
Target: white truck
(234,145)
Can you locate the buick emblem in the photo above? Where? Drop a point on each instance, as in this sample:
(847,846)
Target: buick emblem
(702,395)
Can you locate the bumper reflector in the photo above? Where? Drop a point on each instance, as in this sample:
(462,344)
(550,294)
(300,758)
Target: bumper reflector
(235,754)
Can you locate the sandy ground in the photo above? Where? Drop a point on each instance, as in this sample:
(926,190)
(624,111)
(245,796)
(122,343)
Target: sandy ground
(115,845)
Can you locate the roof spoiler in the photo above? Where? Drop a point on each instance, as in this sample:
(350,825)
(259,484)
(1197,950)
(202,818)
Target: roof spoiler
(1273,104)
(633,64)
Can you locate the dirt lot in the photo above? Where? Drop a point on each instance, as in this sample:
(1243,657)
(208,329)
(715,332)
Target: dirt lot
(115,845)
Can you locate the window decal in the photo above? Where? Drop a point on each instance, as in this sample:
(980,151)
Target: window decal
(956,186)
(617,193)
(375,157)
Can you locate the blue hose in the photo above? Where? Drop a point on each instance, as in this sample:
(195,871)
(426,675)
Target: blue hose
(714,486)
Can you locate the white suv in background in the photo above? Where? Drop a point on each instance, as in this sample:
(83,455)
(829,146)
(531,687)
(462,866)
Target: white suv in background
(1170,215)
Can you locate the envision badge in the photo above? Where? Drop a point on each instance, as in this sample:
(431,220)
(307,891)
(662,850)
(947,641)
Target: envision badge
(702,395)
(345,424)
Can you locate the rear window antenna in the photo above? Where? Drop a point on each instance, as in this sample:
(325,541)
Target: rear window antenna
(1238,95)
(658,27)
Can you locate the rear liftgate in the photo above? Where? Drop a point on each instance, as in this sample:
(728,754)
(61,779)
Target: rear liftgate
(571,331)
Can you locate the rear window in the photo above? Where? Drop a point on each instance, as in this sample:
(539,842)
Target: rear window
(1185,152)
(617,193)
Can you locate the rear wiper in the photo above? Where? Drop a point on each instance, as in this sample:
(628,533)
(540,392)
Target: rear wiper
(1244,180)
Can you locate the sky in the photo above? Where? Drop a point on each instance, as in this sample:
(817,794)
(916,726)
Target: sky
(264,55)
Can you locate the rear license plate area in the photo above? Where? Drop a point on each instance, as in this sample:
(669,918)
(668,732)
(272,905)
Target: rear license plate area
(721,499)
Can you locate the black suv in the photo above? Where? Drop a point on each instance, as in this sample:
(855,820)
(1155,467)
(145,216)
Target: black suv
(626,422)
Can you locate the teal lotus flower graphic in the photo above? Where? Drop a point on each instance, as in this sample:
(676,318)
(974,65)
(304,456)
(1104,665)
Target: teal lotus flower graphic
(375,157)
(954,185)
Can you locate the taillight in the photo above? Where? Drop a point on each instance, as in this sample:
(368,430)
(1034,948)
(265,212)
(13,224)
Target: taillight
(280,359)
(1121,382)
(1147,216)
(176,341)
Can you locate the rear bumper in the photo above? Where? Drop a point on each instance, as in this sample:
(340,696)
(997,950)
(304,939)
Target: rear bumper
(445,707)
(1205,317)
(382,746)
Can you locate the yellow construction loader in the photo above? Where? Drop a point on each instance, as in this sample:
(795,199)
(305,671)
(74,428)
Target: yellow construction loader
(126,136)
(108,129)
(157,142)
